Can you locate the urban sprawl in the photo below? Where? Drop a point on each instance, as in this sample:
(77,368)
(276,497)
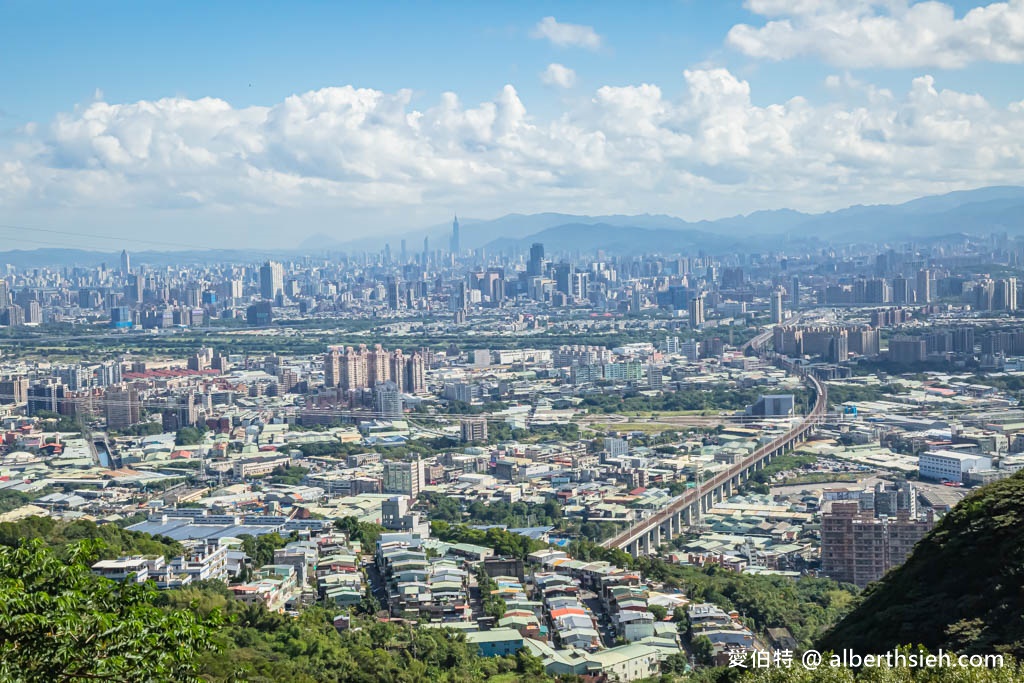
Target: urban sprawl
(485,441)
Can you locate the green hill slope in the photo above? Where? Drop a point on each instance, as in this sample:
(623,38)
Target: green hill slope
(962,589)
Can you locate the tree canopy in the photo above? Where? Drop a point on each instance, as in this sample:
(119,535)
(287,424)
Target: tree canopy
(61,622)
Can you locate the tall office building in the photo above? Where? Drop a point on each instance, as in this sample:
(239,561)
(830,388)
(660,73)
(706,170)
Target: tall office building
(901,290)
(271,280)
(794,294)
(456,243)
(563,273)
(426,252)
(776,306)
(697,311)
(126,263)
(924,286)
(393,294)
(535,267)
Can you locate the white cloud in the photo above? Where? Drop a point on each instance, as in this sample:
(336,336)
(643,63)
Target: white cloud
(342,150)
(883,33)
(566,35)
(558,75)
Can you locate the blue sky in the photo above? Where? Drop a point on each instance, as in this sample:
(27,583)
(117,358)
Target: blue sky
(754,105)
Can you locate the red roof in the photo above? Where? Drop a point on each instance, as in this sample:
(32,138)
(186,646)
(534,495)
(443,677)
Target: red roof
(567,610)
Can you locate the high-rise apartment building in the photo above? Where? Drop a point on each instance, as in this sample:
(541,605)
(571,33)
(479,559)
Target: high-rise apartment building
(403,477)
(396,369)
(354,369)
(387,400)
(122,408)
(416,378)
(776,306)
(378,365)
(332,367)
(858,548)
(474,429)
(697,311)
(14,390)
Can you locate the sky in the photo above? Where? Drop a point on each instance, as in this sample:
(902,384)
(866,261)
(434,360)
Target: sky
(259,124)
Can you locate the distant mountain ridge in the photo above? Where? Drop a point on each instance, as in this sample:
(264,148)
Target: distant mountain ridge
(969,212)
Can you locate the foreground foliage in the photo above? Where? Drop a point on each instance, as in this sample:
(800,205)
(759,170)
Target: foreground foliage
(60,622)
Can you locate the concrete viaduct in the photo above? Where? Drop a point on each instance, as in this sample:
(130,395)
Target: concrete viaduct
(646,536)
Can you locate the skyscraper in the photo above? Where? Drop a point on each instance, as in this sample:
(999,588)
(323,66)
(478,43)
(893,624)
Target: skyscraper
(332,368)
(456,244)
(794,294)
(126,263)
(924,286)
(417,374)
(536,265)
(900,290)
(378,366)
(397,369)
(271,280)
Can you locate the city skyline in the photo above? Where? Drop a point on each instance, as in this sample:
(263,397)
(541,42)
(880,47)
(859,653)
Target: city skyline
(682,108)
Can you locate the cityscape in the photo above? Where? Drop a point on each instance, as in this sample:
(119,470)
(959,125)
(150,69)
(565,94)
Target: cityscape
(484,440)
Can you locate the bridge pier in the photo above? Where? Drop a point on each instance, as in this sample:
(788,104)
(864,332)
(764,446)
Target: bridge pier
(668,524)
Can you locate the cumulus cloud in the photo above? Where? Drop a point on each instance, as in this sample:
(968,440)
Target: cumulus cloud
(558,75)
(566,35)
(883,33)
(710,151)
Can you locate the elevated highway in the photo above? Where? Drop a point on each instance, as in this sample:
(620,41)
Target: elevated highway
(645,536)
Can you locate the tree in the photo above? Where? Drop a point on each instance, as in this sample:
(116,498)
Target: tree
(703,650)
(658,611)
(61,622)
(189,436)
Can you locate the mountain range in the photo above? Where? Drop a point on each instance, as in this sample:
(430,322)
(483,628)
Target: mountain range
(969,212)
(972,212)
